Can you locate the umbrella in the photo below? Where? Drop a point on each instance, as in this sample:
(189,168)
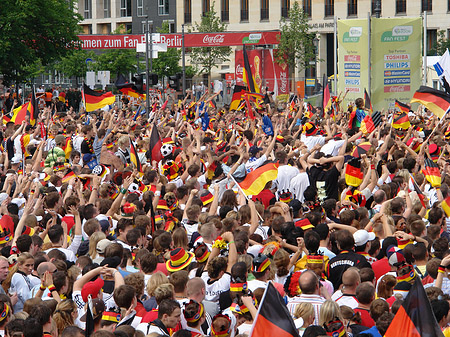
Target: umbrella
(361,149)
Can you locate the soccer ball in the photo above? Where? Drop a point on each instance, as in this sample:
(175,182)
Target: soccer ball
(134,188)
(166,150)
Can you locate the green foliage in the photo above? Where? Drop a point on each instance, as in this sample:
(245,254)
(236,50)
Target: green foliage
(208,57)
(295,46)
(75,63)
(35,31)
(167,64)
(116,61)
(190,71)
(441,45)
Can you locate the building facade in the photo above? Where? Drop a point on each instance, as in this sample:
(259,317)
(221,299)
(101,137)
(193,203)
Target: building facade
(157,12)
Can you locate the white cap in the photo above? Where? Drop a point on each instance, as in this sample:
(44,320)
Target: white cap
(362,236)
(16,160)
(3,197)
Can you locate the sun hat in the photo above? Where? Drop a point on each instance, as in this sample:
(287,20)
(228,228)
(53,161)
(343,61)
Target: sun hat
(179,259)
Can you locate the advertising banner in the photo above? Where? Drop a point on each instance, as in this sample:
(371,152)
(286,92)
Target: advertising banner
(267,72)
(353,56)
(130,41)
(396,60)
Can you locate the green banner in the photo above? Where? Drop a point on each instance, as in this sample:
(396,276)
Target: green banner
(353,65)
(396,60)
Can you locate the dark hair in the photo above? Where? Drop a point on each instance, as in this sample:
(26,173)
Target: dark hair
(124,295)
(440,309)
(32,328)
(55,233)
(14,327)
(23,243)
(41,313)
(312,241)
(167,307)
(217,265)
(148,263)
(314,331)
(345,239)
(383,322)
(72,331)
(419,251)
(365,293)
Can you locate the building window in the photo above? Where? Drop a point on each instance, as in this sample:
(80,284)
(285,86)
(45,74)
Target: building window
(106,8)
(140,7)
(206,5)
(88,9)
(264,9)
(329,7)
(163,7)
(431,39)
(307,7)
(352,7)
(187,11)
(171,26)
(374,6)
(400,6)
(427,5)
(125,8)
(225,11)
(285,6)
(244,10)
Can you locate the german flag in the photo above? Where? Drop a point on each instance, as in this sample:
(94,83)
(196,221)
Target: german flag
(238,91)
(249,107)
(367,103)
(164,106)
(255,181)
(446,206)
(155,144)
(134,158)
(273,318)
(212,104)
(432,173)
(94,100)
(33,108)
(367,125)
(353,174)
(402,107)
(210,170)
(326,97)
(68,176)
(401,121)
(415,317)
(248,77)
(435,100)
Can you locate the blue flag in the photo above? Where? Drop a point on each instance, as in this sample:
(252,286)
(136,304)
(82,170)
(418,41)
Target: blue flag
(137,113)
(267,127)
(205,121)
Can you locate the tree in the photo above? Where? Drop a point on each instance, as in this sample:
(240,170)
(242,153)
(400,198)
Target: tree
(295,45)
(440,46)
(167,63)
(209,57)
(35,30)
(74,65)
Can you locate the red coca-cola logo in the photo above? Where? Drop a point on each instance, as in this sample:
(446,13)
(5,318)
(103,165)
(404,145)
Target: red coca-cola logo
(213,39)
(284,82)
(239,69)
(352,58)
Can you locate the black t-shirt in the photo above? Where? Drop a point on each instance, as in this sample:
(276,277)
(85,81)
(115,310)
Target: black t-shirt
(340,263)
(330,177)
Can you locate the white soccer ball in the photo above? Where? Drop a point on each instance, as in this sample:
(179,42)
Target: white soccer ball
(166,149)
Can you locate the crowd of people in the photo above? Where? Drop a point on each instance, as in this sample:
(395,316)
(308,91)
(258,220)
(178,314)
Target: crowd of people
(157,237)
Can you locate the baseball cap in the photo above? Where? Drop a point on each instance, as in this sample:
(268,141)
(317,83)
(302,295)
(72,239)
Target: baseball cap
(395,256)
(92,288)
(101,245)
(362,237)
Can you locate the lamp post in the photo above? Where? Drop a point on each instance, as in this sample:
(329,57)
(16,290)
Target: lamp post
(316,52)
(183,53)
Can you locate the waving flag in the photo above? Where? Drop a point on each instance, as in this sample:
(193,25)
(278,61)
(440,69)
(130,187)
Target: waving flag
(134,158)
(442,68)
(401,121)
(326,98)
(432,173)
(438,102)
(267,126)
(20,113)
(94,100)
(445,204)
(402,107)
(33,108)
(367,125)
(415,318)
(353,174)
(155,144)
(273,318)
(419,192)
(249,107)
(256,180)
(238,91)
(367,103)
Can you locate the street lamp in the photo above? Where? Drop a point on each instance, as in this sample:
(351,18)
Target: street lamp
(316,52)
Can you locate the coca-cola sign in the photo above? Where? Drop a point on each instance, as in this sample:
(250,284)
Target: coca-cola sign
(239,69)
(213,39)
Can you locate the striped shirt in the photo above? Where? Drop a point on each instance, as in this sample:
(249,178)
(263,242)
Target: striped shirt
(315,300)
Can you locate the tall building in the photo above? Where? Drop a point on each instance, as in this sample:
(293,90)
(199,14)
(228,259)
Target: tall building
(157,12)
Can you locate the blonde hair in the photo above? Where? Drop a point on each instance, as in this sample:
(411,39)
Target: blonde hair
(180,238)
(329,311)
(123,141)
(63,314)
(93,240)
(20,260)
(281,261)
(304,310)
(155,281)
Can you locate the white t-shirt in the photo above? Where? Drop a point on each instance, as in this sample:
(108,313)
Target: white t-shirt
(283,180)
(213,289)
(332,147)
(255,284)
(311,141)
(254,163)
(299,184)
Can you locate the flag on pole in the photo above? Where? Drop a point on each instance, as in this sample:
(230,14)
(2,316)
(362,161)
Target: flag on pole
(438,102)
(419,192)
(415,318)
(367,103)
(376,118)
(94,100)
(273,318)
(326,98)
(248,77)
(134,158)
(249,107)
(20,113)
(164,106)
(89,329)
(402,107)
(256,180)
(442,68)
(155,144)
(432,173)
(33,108)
